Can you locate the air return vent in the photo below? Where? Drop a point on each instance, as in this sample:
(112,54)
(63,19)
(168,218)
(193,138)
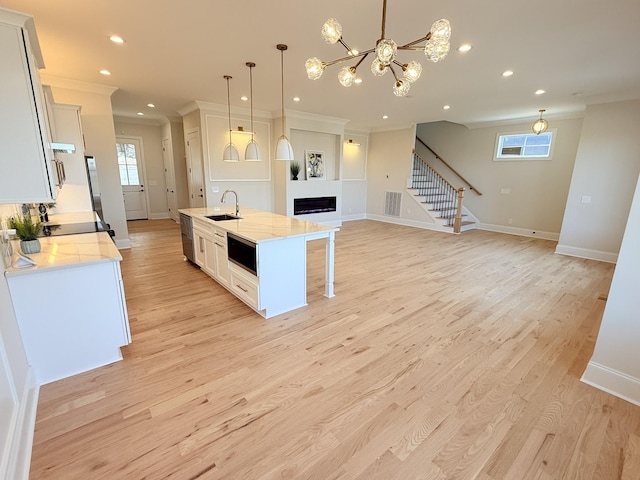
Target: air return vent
(392,203)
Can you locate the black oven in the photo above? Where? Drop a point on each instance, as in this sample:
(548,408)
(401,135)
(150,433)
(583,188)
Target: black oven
(242,252)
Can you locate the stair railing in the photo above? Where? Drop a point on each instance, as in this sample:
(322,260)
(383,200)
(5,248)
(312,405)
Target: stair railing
(445,197)
(471,187)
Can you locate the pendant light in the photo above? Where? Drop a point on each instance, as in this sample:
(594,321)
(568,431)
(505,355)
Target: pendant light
(230,152)
(284,150)
(252,152)
(540,125)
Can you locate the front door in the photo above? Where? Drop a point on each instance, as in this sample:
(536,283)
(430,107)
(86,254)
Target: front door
(132,177)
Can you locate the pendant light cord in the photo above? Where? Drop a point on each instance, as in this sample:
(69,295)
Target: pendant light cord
(251,97)
(282,86)
(229,106)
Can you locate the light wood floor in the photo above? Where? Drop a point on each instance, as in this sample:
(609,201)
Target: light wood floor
(441,357)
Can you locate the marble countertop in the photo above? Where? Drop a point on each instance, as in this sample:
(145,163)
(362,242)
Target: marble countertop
(67,251)
(258,226)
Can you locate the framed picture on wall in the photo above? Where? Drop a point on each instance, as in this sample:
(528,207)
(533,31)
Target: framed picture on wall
(315,165)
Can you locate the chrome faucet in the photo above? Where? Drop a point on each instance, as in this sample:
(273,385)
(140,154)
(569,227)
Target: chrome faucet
(236,194)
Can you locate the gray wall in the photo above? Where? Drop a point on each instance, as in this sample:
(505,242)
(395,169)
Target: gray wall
(606,168)
(538,188)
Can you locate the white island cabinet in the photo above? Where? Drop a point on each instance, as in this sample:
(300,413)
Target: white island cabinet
(276,282)
(71,307)
(29,168)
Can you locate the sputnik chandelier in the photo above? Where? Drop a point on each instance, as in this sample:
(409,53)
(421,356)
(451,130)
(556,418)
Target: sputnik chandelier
(435,48)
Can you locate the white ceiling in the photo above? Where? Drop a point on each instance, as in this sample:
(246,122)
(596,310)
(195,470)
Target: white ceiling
(579,51)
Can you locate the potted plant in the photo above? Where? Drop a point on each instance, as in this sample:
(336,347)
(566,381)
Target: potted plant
(27,231)
(295,170)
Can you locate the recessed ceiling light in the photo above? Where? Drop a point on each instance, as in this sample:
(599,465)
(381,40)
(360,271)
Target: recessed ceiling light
(105,72)
(446,107)
(151,105)
(140,113)
(465,47)
(244,98)
(540,92)
(384,117)
(358,81)
(296,99)
(507,73)
(116,39)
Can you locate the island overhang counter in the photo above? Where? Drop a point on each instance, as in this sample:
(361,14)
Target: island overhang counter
(277,284)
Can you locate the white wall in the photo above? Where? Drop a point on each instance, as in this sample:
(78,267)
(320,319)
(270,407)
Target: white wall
(155,186)
(615,364)
(100,141)
(606,167)
(538,188)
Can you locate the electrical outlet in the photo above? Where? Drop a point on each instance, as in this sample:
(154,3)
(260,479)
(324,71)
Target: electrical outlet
(215,189)
(510,221)
(505,191)
(586,199)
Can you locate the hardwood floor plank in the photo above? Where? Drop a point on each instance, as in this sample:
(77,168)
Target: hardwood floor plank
(440,357)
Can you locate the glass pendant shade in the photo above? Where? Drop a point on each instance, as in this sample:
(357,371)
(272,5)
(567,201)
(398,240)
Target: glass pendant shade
(441,29)
(378,68)
(386,50)
(412,71)
(331,31)
(230,153)
(252,152)
(346,76)
(315,68)
(400,89)
(539,126)
(284,150)
(436,50)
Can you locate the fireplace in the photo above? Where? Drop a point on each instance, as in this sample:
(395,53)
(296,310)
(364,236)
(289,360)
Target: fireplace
(304,206)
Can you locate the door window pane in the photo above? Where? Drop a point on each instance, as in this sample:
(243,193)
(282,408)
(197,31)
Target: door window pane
(128,163)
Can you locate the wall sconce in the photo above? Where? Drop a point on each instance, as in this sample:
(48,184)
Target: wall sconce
(352,142)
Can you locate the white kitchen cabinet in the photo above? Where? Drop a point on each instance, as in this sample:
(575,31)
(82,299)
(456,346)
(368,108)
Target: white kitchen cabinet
(222,258)
(71,307)
(29,170)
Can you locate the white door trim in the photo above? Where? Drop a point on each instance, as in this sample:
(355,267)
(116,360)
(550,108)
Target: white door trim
(142,168)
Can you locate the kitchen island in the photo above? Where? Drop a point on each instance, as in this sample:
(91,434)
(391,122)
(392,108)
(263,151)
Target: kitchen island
(70,305)
(260,257)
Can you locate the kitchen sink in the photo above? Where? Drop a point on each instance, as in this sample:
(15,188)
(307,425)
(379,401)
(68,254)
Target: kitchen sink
(222,216)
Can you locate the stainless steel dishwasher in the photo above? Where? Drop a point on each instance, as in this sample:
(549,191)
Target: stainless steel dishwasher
(186,227)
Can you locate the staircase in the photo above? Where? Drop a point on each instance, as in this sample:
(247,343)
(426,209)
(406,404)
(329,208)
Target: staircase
(441,200)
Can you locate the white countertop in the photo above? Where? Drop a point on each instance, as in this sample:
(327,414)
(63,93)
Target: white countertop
(258,226)
(68,251)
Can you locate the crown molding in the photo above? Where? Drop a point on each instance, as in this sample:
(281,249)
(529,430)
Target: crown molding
(77,85)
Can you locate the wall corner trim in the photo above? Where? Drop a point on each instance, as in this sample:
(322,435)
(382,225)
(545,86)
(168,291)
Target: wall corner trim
(612,381)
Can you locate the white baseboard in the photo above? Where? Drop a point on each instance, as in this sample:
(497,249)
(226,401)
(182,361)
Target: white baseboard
(159,216)
(587,253)
(123,243)
(21,435)
(349,218)
(611,381)
(521,232)
(409,223)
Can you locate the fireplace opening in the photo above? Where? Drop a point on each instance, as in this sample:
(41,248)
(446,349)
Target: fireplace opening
(304,206)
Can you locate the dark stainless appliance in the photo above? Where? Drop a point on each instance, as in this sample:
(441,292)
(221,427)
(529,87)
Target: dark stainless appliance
(94,185)
(242,252)
(186,227)
(55,230)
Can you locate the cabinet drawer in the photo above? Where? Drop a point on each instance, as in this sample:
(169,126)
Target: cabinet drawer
(220,235)
(244,288)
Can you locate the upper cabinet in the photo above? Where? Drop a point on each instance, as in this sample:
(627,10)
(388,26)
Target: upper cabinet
(28,170)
